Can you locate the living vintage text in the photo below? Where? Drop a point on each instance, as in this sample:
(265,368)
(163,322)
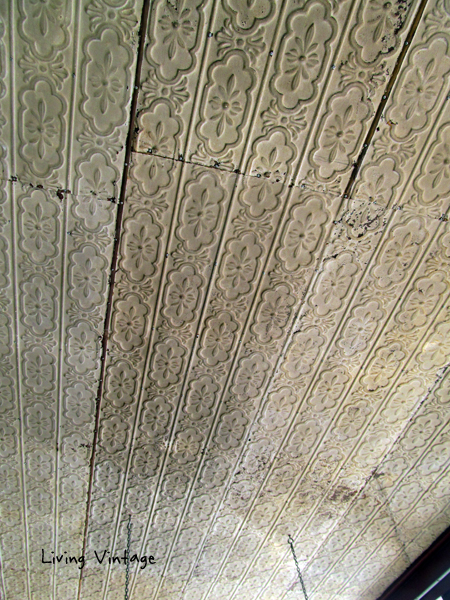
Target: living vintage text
(101,557)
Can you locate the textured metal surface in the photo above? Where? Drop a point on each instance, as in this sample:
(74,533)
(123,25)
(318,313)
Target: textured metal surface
(277,355)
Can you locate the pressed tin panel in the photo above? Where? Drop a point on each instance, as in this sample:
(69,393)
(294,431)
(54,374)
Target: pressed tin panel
(57,240)
(278,339)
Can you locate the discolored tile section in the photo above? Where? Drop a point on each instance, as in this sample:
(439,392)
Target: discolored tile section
(277,352)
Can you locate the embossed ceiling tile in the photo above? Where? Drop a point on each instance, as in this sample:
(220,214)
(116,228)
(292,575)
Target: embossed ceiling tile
(366,412)
(89,250)
(177,39)
(231,421)
(232,82)
(105,71)
(38,261)
(197,416)
(405,165)
(59,270)
(415,474)
(357,73)
(67,84)
(14,543)
(105,78)
(160,340)
(33,272)
(277,352)
(39,79)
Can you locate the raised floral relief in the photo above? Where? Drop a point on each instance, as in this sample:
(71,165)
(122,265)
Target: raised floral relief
(39,370)
(382,367)
(40,422)
(175,32)
(175,92)
(107,475)
(239,265)
(94,212)
(230,38)
(140,246)
(419,87)
(40,465)
(43,25)
(182,296)
(333,284)
(39,305)
(217,339)
(137,499)
(102,511)
(122,17)
(41,129)
(281,480)
(433,183)
(435,460)
(240,494)
(272,156)
(40,226)
(175,485)
(303,438)
(352,420)
(302,55)
(277,409)
(214,472)
(151,174)
(83,347)
(250,376)
(436,349)
(120,383)
(377,30)
(225,103)
(159,129)
(145,462)
(248,298)
(378,184)
(327,389)
(78,404)
(40,502)
(129,322)
(167,362)
(302,233)
(200,398)
(113,434)
(166,518)
(340,132)
(302,352)
(200,211)
(230,429)
(401,403)
(359,328)
(75,450)
(421,301)
(8,440)
(3,262)
(187,445)
(95,178)
(87,277)
(246,14)
(260,196)
(273,314)
(421,430)
(155,416)
(106,76)
(398,253)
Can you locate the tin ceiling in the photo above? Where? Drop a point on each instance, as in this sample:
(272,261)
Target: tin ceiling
(251,195)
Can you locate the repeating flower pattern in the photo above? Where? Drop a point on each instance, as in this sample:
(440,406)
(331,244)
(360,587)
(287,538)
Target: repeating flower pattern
(275,358)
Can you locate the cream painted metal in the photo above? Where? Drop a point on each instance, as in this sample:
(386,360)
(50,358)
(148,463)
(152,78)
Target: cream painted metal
(278,353)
